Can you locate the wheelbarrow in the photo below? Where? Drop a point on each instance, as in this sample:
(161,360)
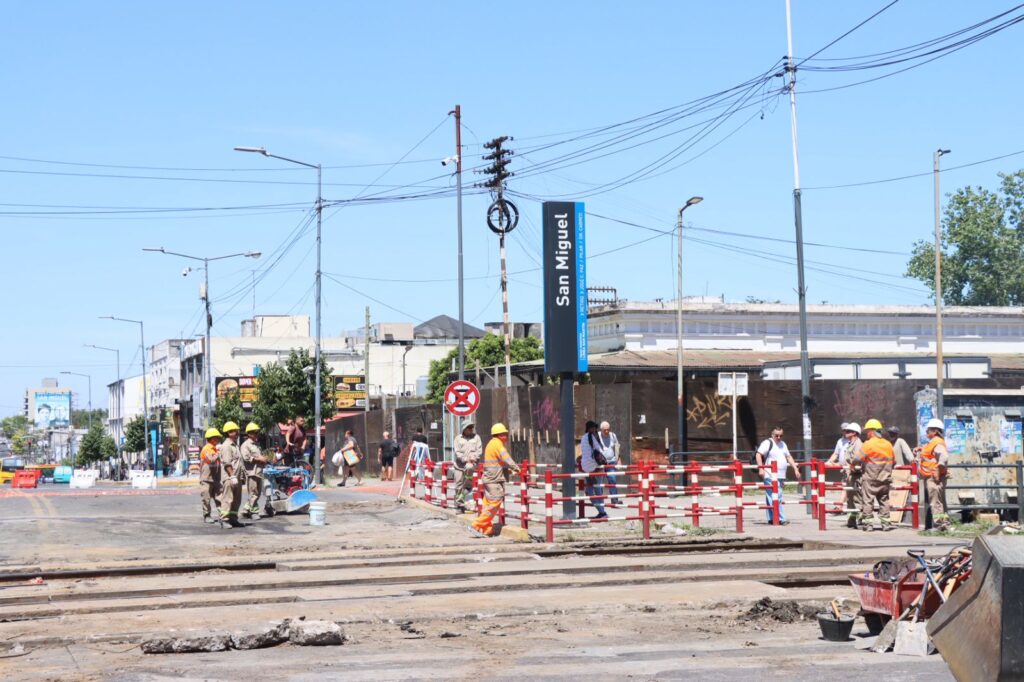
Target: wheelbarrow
(884,599)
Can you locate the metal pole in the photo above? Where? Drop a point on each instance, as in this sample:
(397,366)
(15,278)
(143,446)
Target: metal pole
(568,435)
(209,347)
(145,393)
(366,359)
(89,379)
(318,416)
(504,306)
(458,200)
(805,360)
(734,415)
(940,368)
(680,398)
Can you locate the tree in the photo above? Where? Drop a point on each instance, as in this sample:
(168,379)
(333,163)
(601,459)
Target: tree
(96,445)
(12,425)
(228,408)
(982,247)
(80,418)
(135,435)
(287,390)
(489,351)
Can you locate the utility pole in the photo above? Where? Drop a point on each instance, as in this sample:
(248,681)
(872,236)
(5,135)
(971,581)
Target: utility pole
(502,218)
(940,366)
(366,359)
(458,200)
(681,397)
(805,360)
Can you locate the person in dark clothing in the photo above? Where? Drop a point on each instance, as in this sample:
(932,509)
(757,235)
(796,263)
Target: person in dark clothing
(419,437)
(387,452)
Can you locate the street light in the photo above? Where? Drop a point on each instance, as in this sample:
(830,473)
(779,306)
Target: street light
(208,407)
(681,407)
(319,222)
(79,374)
(117,432)
(940,369)
(145,388)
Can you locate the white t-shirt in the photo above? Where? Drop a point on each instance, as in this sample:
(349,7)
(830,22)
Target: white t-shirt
(842,451)
(770,452)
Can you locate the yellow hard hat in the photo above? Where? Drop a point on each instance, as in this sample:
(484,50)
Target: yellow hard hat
(230,426)
(253,426)
(498,429)
(213,433)
(873,424)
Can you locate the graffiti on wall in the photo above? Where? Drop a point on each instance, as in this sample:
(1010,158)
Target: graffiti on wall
(862,401)
(546,415)
(710,411)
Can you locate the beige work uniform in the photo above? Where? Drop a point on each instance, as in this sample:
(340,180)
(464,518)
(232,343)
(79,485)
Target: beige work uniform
(877,479)
(231,465)
(253,474)
(209,478)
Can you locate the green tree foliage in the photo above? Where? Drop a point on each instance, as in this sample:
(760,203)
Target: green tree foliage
(982,247)
(80,418)
(12,425)
(135,435)
(229,408)
(488,351)
(95,445)
(286,390)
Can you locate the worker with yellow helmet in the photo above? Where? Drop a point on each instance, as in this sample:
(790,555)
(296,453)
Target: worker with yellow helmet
(877,459)
(253,462)
(497,462)
(209,476)
(231,477)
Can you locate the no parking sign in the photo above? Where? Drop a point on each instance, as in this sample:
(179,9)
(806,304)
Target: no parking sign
(461,398)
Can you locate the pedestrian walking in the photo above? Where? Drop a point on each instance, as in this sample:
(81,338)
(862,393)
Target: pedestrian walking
(932,465)
(231,476)
(610,445)
(468,450)
(901,450)
(497,464)
(209,476)
(419,437)
(295,442)
(775,450)
(253,462)
(877,458)
(387,452)
(592,462)
(351,456)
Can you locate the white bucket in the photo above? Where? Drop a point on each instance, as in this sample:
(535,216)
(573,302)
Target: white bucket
(318,513)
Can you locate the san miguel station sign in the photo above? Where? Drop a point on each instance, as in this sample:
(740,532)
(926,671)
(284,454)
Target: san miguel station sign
(565,288)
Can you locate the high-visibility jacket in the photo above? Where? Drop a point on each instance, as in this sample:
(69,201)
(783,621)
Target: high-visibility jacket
(929,465)
(496,459)
(878,452)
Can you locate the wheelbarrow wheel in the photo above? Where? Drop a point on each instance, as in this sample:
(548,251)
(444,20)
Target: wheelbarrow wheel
(876,622)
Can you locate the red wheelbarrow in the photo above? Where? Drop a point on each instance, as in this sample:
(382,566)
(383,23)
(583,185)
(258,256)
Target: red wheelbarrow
(883,599)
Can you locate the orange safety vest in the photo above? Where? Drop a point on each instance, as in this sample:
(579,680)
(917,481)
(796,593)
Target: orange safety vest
(879,452)
(207,454)
(929,462)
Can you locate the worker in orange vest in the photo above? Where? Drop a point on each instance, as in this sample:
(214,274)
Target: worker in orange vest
(877,458)
(931,464)
(496,462)
(209,475)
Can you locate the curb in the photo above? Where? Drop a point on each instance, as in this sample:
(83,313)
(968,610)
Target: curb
(507,532)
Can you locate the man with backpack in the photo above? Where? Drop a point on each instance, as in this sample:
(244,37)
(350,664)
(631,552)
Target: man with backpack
(774,450)
(593,461)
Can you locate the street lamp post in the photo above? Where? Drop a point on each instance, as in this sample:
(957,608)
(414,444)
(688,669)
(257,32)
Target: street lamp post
(145,387)
(940,369)
(681,406)
(208,384)
(117,434)
(317,417)
(89,377)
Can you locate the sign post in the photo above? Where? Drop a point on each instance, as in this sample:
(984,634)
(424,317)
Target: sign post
(734,384)
(565,320)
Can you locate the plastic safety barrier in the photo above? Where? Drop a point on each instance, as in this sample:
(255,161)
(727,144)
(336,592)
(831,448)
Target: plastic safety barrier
(145,480)
(26,478)
(83,478)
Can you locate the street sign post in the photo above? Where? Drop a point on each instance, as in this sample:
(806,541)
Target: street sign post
(461,398)
(733,384)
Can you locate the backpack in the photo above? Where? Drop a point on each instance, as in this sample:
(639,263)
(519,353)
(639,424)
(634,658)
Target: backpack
(598,454)
(753,457)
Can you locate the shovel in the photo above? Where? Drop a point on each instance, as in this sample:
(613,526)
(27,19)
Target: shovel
(912,637)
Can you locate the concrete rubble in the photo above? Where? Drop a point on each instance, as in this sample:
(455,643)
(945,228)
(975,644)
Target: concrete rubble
(298,632)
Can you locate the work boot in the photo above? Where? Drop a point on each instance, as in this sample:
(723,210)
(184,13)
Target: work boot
(851,521)
(867,526)
(888,526)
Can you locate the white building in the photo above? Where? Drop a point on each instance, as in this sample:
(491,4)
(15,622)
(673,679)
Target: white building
(124,403)
(164,375)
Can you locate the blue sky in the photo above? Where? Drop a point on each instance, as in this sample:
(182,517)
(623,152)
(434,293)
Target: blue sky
(162,86)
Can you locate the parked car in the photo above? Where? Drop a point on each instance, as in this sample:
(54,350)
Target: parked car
(62,474)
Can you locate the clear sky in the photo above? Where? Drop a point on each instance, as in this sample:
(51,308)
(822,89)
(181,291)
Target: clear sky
(170,88)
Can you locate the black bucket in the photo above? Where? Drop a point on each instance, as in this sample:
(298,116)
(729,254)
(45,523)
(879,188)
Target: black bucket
(835,630)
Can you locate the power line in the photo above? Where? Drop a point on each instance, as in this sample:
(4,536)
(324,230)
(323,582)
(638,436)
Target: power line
(918,175)
(822,49)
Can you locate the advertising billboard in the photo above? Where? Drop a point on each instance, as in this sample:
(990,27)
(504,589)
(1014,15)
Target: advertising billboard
(350,392)
(247,388)
(52,409)
(565,287)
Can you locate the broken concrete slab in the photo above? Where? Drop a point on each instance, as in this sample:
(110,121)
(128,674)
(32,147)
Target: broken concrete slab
(262,638)
(205,642)
(316,633)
